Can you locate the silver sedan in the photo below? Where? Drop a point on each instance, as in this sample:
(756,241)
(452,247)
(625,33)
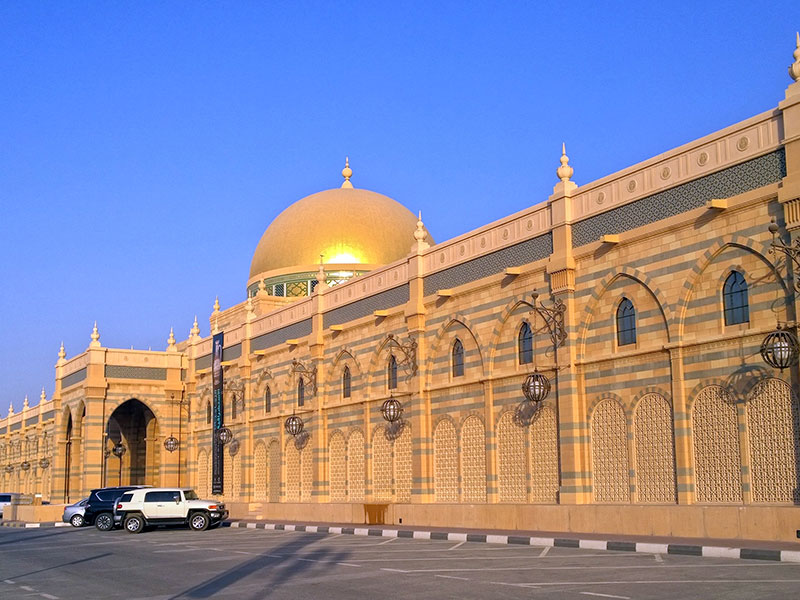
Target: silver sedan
(73,513)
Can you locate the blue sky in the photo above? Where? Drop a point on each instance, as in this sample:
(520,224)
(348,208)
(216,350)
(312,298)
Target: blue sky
(145,147)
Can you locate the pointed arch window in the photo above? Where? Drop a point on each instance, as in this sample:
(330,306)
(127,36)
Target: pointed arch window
(208,413)
(267,400)
(346,382)
(626,323)
(458,358)
(301,392)
(525,344)
(392,373)
(736,306)
(234,412)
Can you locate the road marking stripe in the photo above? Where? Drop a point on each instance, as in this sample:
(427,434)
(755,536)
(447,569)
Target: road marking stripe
(347,564)
(452,577)
(49,596)
(458,545)
(27,588)
(545,550)
(659,558)
(650,582)
(391,539)
(605,595)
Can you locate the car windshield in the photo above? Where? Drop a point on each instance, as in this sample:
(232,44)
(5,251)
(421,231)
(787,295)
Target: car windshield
(191,495)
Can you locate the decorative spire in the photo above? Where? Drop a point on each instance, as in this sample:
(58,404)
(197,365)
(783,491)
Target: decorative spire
(321,270)
(25,403)
(195,330)
(347,173)
(216,304)
(42,396)
(216,324)
(794,68)
(420,235)
(564,172)
(171,341)
(62,355)
(262,288)
(95,337)
(10,409)
(250,313)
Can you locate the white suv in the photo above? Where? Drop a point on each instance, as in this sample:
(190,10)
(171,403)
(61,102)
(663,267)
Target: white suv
(167,506)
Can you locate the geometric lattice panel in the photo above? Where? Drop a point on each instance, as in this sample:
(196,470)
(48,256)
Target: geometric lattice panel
(609,453)
(473,460)
(274,483)
(338,468)
(715,435)
(773,425)
(237,475)
(292,472)
(260,472)
(202,474)
(227,478)
(544,457)
(655,450)
(381,466)
(355,467)
(402,465)
(307,465)
(445,462)
(511,460)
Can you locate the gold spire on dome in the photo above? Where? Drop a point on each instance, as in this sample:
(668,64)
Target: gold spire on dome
(564,172)
(794,68)
(216,304)
(347,173)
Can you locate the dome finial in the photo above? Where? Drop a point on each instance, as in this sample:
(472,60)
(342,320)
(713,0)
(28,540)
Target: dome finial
(216,304)
(794,68)
(420,234)
(195,330)
(42,396)
(321,271)
(564,172)
(62,354)
(347,173)
(171,341)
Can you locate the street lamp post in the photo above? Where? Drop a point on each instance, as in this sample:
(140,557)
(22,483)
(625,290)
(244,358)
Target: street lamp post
(119,450)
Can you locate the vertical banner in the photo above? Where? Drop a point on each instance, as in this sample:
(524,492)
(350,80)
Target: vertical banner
(217,449)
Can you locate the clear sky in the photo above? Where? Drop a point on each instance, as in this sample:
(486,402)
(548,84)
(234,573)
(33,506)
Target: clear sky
(145,146)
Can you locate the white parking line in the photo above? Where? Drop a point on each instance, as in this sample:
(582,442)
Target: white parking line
(605,595)
(646,582)
(452,577)
(545,550)
(571,568)
(387,541)
(459,544)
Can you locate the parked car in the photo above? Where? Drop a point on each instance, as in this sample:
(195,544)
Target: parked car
(168,506)
(5,500)
(73,513)
(99,510)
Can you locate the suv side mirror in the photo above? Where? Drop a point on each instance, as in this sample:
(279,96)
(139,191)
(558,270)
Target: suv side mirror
(177,499)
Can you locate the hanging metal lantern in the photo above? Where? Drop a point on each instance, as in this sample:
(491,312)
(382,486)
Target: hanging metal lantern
(25,465)
(780,349)
(536,387)
(294,425)
(171,443)
(392,410)
(119,450)
(44,463)
(224,435)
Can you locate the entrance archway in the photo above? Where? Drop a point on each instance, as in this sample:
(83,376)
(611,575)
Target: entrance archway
(132,454)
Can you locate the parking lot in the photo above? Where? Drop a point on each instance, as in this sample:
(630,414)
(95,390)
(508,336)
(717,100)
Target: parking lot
(161,564)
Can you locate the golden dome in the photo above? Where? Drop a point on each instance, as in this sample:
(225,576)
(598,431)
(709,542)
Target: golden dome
(347,226)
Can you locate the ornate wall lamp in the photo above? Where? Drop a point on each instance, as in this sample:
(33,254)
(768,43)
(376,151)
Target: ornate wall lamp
(294,425)
(537,386)
(392,410)
(408,351)
(780,349)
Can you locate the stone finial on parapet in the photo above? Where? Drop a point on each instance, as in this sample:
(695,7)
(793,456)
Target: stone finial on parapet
(95,337)
(42,396)
(216,304)
(564,172)
(250,311)
(420,235)
(171,347)
(194,332)
(25,404)
(794,68)
(321,277)
(10,409)
(262,288)
(62,355)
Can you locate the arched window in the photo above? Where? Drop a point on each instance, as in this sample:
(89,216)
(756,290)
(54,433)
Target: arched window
(734,299)
(525,344)
(346,382)
(458,358)
(233,407)
(392,372)
(626,323)
(301,392)
(208,413)
(267,400)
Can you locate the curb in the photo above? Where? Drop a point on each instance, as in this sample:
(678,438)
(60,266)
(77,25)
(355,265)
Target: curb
(619,546)
(792,556)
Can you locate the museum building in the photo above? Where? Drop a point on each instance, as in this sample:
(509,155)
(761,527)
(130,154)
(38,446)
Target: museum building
(619,357)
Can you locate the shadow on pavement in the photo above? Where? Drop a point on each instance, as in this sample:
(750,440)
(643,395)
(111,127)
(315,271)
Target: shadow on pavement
(283,569)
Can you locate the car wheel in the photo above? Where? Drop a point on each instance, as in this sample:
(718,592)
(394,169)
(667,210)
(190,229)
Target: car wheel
(76,521)
(104,522)
(134,524)
(199,521)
